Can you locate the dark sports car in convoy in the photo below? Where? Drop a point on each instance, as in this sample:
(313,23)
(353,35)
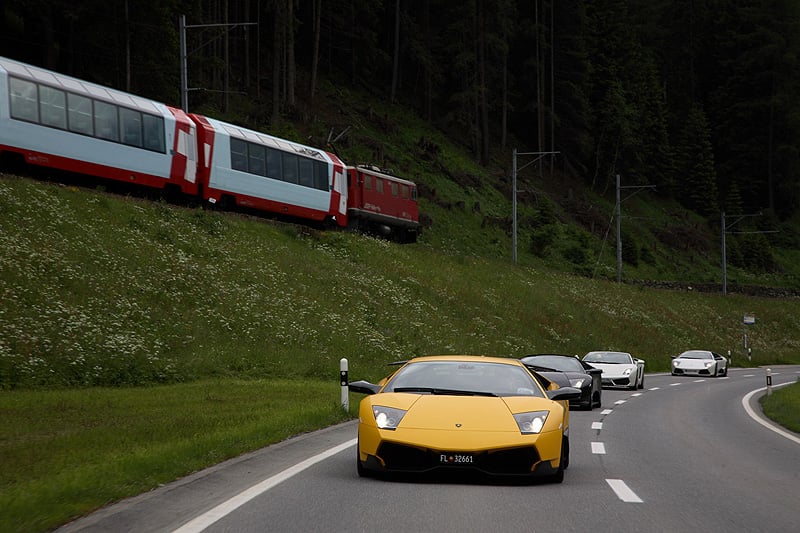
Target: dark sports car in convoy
(569,371)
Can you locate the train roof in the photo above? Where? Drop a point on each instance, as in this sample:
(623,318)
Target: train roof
(270,141)
(386,174)
(74,85)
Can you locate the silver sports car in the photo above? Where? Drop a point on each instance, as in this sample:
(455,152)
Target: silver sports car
(620,369)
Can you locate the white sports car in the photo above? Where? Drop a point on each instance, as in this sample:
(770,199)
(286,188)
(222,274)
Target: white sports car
(620,369)
(700,363)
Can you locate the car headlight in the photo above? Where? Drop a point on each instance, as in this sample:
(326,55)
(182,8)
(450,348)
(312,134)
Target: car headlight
(627,372)
(709,364)
(577,383)
(531,422)
(387,417)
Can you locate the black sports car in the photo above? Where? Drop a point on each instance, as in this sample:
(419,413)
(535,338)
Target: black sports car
(569,371)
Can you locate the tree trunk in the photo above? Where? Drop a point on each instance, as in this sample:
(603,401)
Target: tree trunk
(290,62)
(316,15)
(396,56)
(277,56)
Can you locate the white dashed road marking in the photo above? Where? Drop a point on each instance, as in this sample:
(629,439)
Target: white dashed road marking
(598,448)
(597,425)
(623,492)
(606,411)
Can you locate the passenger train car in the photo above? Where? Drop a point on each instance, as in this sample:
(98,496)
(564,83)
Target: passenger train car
(52,120)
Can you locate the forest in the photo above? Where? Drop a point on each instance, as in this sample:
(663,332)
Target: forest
(696,97)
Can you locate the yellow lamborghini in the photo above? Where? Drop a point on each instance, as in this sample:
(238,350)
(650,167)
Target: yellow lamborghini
(457,412)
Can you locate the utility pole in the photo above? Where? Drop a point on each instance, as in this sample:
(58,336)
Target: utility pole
(514,170)
(618,214)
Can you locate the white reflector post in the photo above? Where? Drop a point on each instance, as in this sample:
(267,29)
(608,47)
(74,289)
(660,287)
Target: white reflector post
(769,381)
(343,381)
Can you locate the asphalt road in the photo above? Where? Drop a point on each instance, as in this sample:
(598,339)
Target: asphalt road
(683,454)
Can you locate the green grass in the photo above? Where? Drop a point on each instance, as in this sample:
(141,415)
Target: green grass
(66,452)
(141,341)
(783,406)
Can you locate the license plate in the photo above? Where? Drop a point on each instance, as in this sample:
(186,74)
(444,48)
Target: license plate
(456,459)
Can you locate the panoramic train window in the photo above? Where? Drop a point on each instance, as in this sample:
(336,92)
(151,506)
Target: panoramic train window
(56,108)
(131,126)
(153,128)
(53,107)
(321,176)
(274,164)
(289,167)
(24,100)
(238,155)
(305,172)
(257,163)
(80,114)
(106,121)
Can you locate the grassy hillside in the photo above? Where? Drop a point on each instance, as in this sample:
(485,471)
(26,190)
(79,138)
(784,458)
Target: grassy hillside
(564,223)
(99,289)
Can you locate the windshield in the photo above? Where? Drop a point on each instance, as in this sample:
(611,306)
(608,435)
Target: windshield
(464,377)
(697,354)
(608,357)
(561,363)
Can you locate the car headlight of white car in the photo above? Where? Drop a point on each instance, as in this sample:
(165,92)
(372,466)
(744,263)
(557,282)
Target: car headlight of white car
(627,372)
(709,364)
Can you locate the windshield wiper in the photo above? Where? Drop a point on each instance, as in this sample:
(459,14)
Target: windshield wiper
(451,392)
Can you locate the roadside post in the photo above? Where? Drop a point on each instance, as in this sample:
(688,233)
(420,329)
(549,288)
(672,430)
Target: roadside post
(748,320)
(343,382)
(769,381)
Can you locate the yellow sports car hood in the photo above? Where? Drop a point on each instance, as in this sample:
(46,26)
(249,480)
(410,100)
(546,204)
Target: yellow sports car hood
(468,413)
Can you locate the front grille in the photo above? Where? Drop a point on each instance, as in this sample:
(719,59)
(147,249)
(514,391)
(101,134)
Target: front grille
(398,457)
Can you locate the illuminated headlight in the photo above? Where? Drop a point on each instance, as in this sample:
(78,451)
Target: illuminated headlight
(676,363)
(530,423)
(627,372)
(709,364)
(578,383)
(387,417)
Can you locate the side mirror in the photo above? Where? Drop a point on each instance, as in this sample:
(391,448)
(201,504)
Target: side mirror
(564,393)
(363,387)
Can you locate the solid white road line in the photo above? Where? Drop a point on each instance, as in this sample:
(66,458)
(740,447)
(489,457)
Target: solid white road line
(758,418)
(623,492)
(201,522)
(598,448)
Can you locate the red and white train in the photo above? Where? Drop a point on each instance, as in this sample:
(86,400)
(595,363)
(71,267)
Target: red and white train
(61,122)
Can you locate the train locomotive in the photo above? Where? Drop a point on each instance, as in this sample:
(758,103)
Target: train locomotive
(52,120)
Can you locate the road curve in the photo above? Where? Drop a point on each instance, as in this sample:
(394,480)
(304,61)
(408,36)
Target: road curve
(684,454)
